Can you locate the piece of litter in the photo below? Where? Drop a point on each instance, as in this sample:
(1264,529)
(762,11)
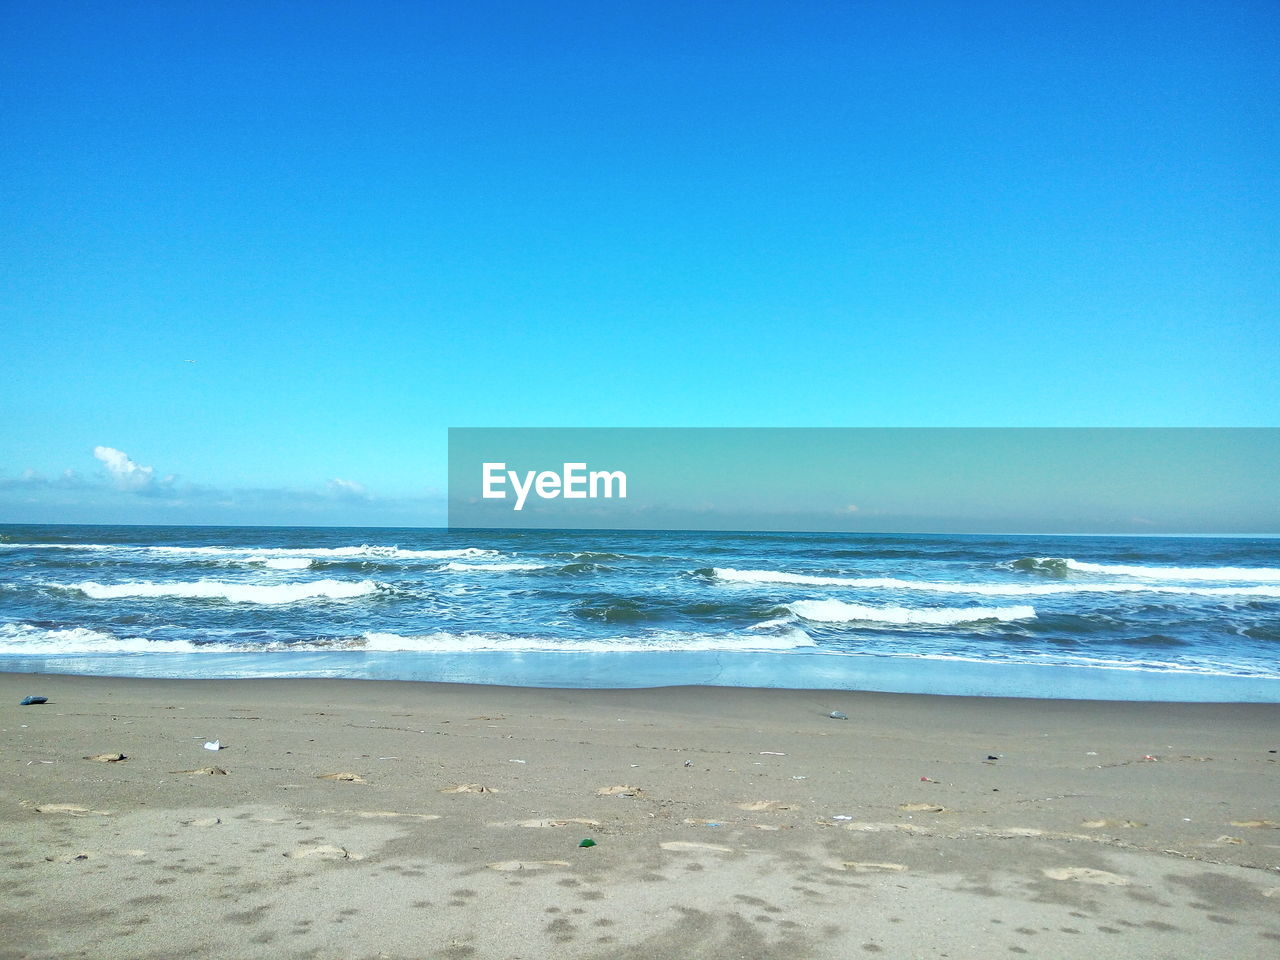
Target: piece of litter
(588,842)
(213,745)
(517,761)
(927,780)
(688,763)
(388,758)
(841,817)
(771,753)
(32,701)
(837,715)
(799,778)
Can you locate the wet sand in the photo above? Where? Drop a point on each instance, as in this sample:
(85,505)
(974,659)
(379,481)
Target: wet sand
(412,820)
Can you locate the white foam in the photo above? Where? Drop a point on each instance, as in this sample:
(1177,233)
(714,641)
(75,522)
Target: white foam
(837,611)
(986,589)
(1201,667)
(492,567)
(1256,574)
(473,642)
(232,592)
(23,638)
(364,551)
(282,563)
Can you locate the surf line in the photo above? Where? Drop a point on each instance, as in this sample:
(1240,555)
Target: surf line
(573,482)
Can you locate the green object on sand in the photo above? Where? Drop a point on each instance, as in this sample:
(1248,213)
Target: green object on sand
(587,843)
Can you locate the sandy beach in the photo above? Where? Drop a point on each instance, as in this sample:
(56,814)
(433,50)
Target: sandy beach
(347,818)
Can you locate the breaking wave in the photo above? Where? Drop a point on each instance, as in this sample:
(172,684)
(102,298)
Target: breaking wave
(1058,566)
(282,563)
(986,589)
(468,642)
(231,592)
(25,638)
(837,611)
(256,554)
(22,638)
(492,567)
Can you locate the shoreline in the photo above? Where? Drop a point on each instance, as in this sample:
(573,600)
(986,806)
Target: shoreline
(459,686)
(923,825)
(798,670)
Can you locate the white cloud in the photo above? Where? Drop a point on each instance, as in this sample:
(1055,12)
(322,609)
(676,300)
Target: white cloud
(125,473)
(347,489)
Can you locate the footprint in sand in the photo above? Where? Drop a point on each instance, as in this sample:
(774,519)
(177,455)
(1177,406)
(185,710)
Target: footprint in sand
(92,855)
(323,851)
(71,857)
(1086,875)
(1099,824)
(206,771)
(1226,839)
(1257,824)
(619,791)
(866,866)
(886,827)
(107,757)
(392,815)
(581,821)
(203,822)
(509,865)
(343,777)
(757,806)
(70,809)
(467,788)
(684,846)
(922,808)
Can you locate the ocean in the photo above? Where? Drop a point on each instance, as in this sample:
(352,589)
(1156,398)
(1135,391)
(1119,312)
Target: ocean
(1125,618)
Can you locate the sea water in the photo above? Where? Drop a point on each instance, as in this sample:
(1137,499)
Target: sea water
(1089,617)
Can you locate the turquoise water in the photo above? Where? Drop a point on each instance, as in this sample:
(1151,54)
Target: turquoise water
(1104,617)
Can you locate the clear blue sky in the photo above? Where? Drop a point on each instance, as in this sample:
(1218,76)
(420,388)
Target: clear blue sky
(368,223)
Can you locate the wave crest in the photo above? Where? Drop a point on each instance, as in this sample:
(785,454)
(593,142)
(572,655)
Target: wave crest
(730,575)
(837,611)
(25,638)
(278,593)
(255,554)
(1052,564)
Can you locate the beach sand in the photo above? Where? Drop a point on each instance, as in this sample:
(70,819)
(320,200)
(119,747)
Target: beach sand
(727,823)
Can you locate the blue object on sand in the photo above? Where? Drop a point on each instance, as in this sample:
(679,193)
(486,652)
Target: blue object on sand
(28,701)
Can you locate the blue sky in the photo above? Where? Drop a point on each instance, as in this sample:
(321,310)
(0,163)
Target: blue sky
(368,225)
